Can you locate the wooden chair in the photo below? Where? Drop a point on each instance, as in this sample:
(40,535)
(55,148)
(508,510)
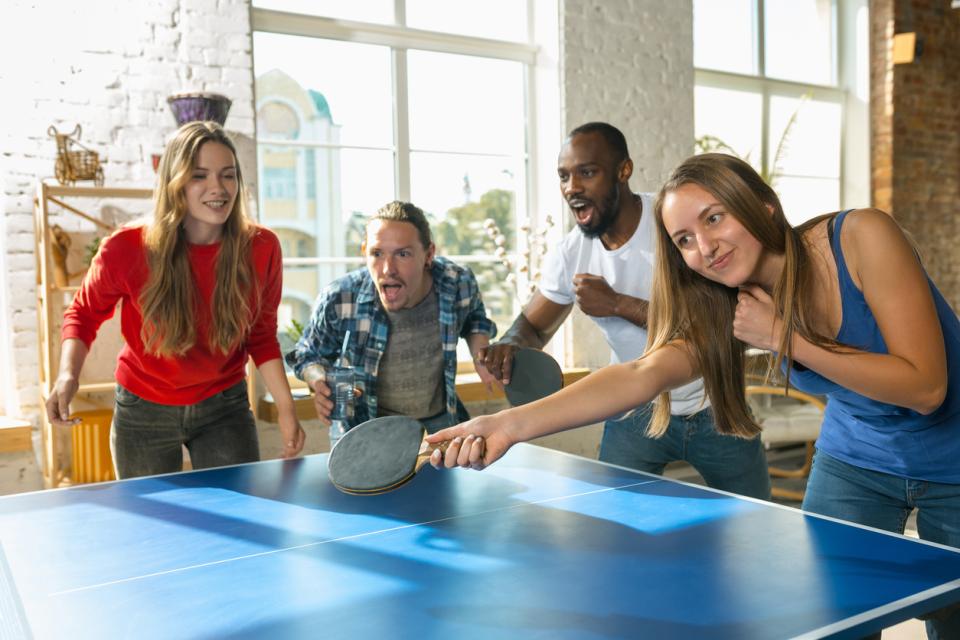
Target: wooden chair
(786,417)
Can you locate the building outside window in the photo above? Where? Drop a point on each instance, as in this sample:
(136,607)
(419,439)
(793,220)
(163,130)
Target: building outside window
(783,84)
(359,104)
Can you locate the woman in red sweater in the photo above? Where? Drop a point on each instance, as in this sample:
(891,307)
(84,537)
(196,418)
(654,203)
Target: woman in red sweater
(200,287)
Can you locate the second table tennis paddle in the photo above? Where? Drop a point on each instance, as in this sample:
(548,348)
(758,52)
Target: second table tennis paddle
(379,455)
(534,375)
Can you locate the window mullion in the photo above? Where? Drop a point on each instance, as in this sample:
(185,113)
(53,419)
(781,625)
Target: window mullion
(311,26)
(765,158)
(400,12)
(401,120)
(836,29)
(401,125)
(765,98)
(525,209)
(761,29)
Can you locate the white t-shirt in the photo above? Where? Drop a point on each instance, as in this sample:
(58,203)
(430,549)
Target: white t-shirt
(628,270)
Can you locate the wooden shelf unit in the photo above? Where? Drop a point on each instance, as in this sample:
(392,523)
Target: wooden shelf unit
(57,455)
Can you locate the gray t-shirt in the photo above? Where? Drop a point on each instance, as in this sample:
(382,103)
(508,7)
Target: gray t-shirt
(410,376)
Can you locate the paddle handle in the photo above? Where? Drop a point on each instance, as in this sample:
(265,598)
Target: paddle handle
(426,450)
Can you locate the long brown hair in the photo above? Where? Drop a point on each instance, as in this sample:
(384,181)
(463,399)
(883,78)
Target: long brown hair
(169,298)
(686,306)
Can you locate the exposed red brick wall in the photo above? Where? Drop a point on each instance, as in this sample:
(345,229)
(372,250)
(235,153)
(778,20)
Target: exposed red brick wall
(915,130)
(881,103)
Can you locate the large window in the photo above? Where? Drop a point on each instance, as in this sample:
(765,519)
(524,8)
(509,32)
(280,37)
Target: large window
(362,103)
(777,83)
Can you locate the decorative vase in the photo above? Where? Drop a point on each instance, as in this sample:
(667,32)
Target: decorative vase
(190,107)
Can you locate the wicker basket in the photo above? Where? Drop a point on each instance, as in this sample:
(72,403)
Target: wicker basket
(75,161)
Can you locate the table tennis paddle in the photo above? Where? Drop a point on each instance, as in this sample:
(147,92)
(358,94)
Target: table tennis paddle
(379,455)
(534,375)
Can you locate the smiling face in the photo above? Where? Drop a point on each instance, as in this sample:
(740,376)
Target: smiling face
(711,240)
(210,192)
(398,263)
(590,183)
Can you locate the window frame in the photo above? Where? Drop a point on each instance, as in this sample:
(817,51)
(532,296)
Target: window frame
(843,37)
(768,88)
(536,60)
(400,39)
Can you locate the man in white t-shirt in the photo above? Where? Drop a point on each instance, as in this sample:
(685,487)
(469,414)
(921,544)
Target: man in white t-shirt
(605,266)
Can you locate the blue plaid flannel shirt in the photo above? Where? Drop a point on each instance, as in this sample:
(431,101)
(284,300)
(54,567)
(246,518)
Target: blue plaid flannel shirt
(351,303)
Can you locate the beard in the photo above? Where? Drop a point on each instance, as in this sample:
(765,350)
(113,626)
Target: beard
(606,214)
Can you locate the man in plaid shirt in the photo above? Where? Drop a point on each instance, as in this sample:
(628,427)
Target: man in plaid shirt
(405,312)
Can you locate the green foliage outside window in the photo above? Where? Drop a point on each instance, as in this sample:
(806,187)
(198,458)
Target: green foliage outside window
(462,232)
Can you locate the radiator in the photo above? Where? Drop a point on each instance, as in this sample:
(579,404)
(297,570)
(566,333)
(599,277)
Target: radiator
(92,461)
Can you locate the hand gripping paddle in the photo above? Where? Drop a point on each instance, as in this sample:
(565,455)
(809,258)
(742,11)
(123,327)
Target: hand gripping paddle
(380,455)
(534,375)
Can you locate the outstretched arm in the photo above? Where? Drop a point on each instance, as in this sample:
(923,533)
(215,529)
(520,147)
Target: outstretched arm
(608,391)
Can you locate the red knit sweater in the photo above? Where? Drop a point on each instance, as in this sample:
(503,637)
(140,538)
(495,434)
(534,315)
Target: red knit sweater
(118,273)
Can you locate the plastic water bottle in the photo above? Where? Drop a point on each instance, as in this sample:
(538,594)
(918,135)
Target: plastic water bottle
(337,429)
(340,382)
(340,379)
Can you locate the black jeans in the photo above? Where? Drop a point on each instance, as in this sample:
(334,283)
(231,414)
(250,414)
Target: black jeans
(146,438)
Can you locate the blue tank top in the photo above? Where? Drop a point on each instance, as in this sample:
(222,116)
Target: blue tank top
(879,436)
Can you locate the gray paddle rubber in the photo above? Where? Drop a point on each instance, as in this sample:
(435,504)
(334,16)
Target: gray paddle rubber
(534,375)
(377,455)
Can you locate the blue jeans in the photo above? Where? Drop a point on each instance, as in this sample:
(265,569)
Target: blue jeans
(146,438)
(885,501)
(727,463)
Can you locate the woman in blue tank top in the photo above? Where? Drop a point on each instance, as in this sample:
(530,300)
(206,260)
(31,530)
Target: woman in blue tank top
(846,305)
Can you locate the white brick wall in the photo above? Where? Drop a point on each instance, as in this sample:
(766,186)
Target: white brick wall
(109,67)
(629,63)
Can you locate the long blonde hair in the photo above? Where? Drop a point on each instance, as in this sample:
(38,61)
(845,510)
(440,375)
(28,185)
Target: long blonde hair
(169,297)
(686,306)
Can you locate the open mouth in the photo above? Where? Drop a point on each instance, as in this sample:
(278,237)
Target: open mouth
(391,291)
(583,210)
(216,204)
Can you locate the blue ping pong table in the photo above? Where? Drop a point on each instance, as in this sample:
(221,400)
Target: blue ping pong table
(540,545)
